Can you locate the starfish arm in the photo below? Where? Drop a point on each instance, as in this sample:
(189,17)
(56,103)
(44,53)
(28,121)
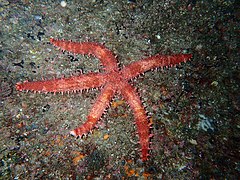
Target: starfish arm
(97,110)
(138,67)
(135,103)
(106,57)
(74,83)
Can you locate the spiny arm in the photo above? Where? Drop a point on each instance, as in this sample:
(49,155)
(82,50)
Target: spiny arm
(157,61)
(139,113)
(74,83)
(96,112)
(106,57)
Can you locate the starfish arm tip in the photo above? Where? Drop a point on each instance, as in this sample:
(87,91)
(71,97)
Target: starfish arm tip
(73,133)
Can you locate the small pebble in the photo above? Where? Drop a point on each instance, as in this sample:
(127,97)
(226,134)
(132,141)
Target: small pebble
(63,3)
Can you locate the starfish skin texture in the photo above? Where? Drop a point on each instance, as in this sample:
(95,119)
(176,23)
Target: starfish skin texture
(113,80)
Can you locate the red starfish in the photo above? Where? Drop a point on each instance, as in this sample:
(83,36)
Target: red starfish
(113,80)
